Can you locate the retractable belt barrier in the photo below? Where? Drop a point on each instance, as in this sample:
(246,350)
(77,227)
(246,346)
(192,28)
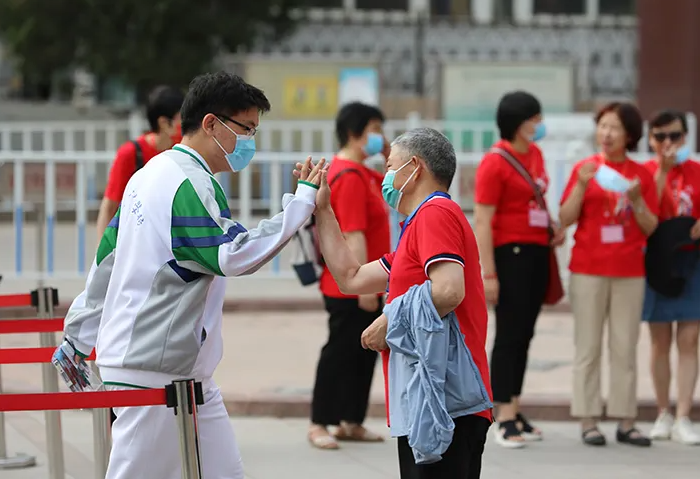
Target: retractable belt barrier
(183,396)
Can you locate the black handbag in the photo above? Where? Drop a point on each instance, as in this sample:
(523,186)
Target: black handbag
(663,247)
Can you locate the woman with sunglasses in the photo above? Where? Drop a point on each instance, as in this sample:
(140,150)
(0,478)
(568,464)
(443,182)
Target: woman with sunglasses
(678,186)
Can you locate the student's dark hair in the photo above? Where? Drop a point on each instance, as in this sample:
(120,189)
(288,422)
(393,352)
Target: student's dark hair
(353,118)
(514,109)
(666,117)
(631,120)
(164,101)
(219,93)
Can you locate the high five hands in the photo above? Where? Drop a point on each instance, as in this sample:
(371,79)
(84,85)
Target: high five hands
(317,175)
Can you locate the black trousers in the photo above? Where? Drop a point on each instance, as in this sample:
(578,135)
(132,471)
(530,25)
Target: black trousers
(345,370)
(523,275)
(462,460)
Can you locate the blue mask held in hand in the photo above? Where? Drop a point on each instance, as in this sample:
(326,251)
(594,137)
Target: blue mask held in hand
(611,180)
(242,154)
(391,195)
(682,154)
(540,132)
(374,145)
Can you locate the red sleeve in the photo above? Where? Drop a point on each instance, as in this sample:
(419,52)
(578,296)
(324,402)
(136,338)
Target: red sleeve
(488,184)
(651,197)
(571,183)
(386,261)
(121,171)
(349,202)
(438,236)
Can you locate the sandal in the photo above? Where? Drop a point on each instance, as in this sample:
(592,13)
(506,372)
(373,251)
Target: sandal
(356,433)
(321,439)
(508,435)
(527,430)
(593,437)
(633,437)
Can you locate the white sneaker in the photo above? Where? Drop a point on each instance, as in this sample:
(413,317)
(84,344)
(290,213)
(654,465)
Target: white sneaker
(683,432)
(511,442)
(662,427)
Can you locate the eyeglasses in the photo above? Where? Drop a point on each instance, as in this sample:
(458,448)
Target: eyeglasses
(674,136)
(249,129)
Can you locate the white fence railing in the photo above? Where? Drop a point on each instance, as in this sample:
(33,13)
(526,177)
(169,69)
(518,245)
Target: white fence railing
(62,167)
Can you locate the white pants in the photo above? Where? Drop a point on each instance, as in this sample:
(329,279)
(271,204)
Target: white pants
(145,442)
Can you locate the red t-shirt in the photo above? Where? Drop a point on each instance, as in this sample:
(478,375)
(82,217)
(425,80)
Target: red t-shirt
(440,232)
(681,196)
(609,215)
(124,166)
(518,218)
(356,198)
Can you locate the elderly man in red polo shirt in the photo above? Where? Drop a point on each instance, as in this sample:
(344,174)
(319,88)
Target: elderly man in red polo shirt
(438,245)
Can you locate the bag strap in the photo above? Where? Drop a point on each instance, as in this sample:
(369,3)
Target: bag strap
(342,172)
(527,177)
(139,156)
(312,222)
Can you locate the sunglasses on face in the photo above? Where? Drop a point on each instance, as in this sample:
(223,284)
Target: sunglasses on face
(674,136)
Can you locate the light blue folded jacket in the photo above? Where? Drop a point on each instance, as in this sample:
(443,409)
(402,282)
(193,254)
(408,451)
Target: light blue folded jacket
(432,375)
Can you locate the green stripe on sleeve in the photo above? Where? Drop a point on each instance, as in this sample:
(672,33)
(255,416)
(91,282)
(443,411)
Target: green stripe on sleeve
(191,221)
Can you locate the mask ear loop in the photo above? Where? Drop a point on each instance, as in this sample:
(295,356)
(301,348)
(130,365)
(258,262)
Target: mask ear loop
(409,176)
(229,129)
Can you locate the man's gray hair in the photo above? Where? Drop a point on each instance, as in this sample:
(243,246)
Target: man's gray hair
(432,147)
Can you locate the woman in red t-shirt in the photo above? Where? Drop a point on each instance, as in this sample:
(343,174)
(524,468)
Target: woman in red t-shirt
(678,186)
(345,370)
(514,246)
(612,200)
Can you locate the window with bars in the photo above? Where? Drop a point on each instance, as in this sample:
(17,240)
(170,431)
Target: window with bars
(617,7)
(382,4)
(559,7)
(324,3)
(452,8)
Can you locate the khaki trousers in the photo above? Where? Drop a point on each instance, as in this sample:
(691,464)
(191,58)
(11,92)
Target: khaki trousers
(619,301)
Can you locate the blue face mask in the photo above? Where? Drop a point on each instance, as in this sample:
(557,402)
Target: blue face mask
(611,180)
(374,145)
(242,154)
(682,154)
(391,195)
(540,132)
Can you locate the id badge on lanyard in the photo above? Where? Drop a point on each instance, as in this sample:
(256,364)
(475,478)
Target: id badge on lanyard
(613,232)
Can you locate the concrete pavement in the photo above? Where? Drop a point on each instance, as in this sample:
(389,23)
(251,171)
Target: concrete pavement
(270,359)
(275,448)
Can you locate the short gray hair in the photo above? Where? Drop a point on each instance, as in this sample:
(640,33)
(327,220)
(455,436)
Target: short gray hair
(432,147)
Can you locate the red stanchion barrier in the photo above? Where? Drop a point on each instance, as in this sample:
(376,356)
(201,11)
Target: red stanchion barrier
(15,300)
(30,355)
(84,400)
(15,326)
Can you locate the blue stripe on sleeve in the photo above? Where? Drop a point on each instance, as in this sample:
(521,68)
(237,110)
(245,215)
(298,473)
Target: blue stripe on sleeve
(209,241)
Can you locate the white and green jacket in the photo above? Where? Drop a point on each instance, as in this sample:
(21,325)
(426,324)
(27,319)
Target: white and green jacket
(152,305)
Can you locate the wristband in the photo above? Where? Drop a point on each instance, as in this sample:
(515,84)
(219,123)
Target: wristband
(490,276)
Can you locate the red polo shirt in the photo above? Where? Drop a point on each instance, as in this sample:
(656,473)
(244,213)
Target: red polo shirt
(124,166)
(440,232)
(498,184)
(356,198)
(604,209)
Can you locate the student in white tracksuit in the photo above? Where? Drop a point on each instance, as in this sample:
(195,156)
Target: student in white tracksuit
(153,302)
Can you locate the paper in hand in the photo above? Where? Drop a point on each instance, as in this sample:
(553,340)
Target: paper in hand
(74,370)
